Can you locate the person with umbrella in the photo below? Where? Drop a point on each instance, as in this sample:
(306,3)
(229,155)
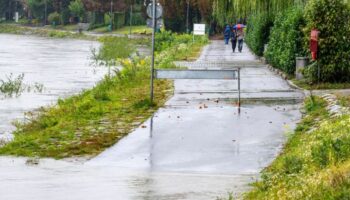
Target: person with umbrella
(234,39)
(227,33)
(240,35)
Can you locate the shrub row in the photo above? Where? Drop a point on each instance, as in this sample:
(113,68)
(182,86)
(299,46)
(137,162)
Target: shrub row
(286,40)
(290,36)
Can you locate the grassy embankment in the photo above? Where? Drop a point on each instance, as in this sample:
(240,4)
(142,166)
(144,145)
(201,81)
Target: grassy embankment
(320,86)
(92,121)
(43,32)
(315,162)
(144,30)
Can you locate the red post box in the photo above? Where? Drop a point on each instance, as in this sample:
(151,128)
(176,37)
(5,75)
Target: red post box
(314,43)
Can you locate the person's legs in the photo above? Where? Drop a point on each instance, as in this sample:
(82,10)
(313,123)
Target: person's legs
(240,45)
(234,43)
(226,40)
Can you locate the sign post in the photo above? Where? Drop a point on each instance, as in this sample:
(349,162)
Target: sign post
(154,11)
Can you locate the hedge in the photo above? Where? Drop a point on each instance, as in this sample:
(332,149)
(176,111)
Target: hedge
(285,41)
(332,19)
(258,31)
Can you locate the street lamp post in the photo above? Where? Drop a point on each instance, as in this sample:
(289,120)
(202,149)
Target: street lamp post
(154,23)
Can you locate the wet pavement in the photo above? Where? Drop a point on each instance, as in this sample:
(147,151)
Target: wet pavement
(197,147)
(61,66)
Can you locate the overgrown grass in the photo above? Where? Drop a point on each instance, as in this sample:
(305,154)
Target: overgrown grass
(315,163)
(23,30)
(319,86)
(125,30)
(344,100)
(88,123)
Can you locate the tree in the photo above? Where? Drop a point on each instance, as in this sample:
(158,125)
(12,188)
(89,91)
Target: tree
(105,5)
(37,7)
(77,9)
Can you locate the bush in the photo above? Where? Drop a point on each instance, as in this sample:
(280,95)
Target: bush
(54,18)
(286,40)
(332,19)
(77,9)
(137,19)
(65,15)
(258,31)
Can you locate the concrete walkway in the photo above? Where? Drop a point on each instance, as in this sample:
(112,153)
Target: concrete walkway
(196,147)
(200,131)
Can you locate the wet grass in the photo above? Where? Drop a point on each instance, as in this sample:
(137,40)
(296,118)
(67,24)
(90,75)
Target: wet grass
(12,86)
(141,30)
(344,100)
(88,123)
(51,33)
(315,162)
(320,86)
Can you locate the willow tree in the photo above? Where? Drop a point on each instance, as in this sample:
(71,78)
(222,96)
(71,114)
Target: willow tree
(226,11)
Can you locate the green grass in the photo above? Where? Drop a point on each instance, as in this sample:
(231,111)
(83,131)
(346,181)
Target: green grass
(43,32)
(315,162)
(344,100)
(321,86)
(125,30)
(88,123)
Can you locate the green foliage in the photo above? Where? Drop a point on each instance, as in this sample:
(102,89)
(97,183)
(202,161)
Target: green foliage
(315,162)
(292,164)
(12,85)
(332,19)
(224,11)
(285,41)
(137,19)
(171,47)
(114,48)
(258,31)
(37,7)
(54,18)
(65,15)
(77,8)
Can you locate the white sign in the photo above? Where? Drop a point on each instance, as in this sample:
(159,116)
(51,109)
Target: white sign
(199,29)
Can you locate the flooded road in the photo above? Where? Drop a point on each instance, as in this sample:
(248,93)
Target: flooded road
(62,66)
(197,147)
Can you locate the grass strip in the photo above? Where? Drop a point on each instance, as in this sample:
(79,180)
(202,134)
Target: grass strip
(315,162)
(320,86)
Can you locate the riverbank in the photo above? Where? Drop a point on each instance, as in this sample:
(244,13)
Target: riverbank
(315,162)
(88,123)
(42,32)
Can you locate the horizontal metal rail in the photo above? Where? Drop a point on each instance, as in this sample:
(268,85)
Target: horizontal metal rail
(196,74)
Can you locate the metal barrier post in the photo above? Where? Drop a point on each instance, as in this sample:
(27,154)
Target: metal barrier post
(239,89)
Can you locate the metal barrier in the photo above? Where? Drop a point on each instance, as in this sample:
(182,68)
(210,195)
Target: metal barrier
(231,74)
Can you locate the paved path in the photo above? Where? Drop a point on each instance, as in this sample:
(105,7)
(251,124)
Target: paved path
(196,147)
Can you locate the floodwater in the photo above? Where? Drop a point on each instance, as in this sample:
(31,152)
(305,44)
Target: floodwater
(62,66)
(197,147)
